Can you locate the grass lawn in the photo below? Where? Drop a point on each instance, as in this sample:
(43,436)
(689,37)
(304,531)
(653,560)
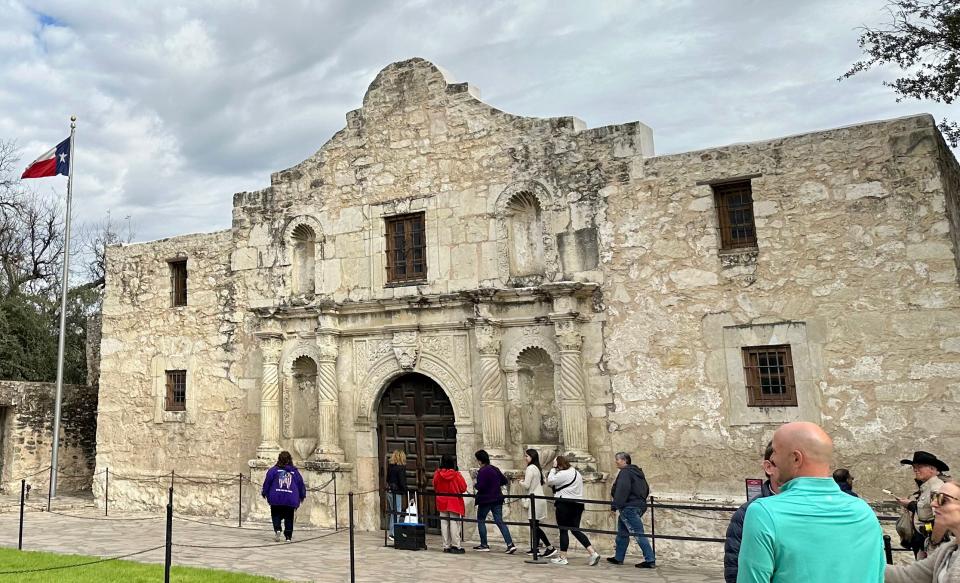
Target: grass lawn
(110,571)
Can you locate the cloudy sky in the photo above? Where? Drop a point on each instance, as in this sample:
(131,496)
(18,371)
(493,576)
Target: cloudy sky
(182,104)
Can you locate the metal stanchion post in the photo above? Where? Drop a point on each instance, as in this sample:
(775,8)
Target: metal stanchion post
(336,505)
(390,509)
(240,502)
(534,539)
(106,494)
(887,549)
(23,497)
(353,575)
(167,558)
(171,478)
(653,525)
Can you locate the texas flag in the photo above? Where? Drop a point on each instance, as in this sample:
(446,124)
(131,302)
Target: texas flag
(56,161)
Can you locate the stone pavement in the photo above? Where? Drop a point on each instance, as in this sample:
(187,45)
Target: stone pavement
(318,555)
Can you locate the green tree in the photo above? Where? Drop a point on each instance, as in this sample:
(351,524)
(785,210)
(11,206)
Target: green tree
(923,40)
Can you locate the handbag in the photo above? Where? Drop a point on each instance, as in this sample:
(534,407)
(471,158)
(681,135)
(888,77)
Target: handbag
(905,528)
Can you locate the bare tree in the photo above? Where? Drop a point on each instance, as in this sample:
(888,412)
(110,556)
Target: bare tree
(31,236)
(94,240)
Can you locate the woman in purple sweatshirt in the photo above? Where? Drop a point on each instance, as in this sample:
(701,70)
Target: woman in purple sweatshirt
(489,499)
(284,490)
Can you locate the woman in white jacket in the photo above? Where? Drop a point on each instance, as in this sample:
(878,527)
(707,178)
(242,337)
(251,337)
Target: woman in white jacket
(567,484)
(532,481)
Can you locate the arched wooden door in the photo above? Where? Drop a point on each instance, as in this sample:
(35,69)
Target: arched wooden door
(416,416)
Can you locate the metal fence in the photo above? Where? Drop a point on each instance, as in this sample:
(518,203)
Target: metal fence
(240,481)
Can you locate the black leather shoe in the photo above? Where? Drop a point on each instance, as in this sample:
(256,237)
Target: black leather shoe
(646,565)
(614,561)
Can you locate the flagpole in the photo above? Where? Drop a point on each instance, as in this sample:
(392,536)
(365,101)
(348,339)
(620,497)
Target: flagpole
(64,287)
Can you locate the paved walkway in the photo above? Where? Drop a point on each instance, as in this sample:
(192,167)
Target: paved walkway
(317,555)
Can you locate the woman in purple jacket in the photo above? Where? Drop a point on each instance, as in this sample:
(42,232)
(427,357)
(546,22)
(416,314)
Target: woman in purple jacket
(489,499)
(284,490)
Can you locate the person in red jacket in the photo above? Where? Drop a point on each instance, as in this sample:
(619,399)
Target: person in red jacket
(447,480)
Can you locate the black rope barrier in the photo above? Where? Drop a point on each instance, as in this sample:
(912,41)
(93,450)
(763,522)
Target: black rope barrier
(38,472)
(103,519)
(259,546)
(61,567)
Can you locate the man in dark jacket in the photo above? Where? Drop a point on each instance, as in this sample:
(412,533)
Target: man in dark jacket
(629,493)
(731,549)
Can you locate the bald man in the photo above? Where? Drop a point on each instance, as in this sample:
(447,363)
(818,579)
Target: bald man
(811,531)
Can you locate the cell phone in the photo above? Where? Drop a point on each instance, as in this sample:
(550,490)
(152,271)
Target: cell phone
(887,492)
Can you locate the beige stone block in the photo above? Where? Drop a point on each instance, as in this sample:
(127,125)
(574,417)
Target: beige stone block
(701,204)
(907,392)
(947,370)
(930,250)
(243,259)
(693,278)
(765,208)
(864,190)
(463,262)
(260,236)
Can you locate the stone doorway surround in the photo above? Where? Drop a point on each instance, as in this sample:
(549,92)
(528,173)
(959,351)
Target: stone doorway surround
(416,416)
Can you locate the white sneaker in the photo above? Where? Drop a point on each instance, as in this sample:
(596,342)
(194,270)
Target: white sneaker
(277,536)
(559,560)
(594,559)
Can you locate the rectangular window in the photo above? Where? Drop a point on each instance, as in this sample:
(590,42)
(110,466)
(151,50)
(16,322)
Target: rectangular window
(735,214)
(406,249)
(769,375)
(176,390)
(178,282)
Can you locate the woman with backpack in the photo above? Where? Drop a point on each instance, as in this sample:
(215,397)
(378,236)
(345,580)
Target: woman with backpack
(284,490)
(533,481)
(567,484)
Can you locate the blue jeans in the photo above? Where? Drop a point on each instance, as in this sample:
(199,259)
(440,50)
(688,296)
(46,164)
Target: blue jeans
(497,510)
(628,522)
(394,504)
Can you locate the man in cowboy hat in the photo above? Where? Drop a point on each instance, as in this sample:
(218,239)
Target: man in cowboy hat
(926,471)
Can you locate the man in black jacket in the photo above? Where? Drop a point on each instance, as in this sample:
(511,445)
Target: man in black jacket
(630,491)
(731,549)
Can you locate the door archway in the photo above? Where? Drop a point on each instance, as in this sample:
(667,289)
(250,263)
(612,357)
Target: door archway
(416,416)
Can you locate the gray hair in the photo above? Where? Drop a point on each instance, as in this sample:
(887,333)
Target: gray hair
(622,455)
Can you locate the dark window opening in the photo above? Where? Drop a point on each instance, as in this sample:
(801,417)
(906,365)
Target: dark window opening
(406,249)
(178,282)
(176,390)
(735,214)
(769,375)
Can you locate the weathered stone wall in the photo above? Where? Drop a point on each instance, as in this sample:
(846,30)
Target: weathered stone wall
(143,336)
(855,257)
(855,269)
(421,144)
(27,435)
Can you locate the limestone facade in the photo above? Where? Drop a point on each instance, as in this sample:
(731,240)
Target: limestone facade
(575,299)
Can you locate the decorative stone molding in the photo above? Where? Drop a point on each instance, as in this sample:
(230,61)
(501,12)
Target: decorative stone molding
(488,339)
(292,224)
(568,335)
(550,260)
(328,400)
(270,347)
(571,390)
(376,378)
(406,347)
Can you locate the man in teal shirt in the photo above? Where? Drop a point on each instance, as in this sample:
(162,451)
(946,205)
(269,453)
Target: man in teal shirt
(811,532)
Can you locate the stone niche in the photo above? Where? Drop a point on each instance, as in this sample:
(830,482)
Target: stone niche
(539,414)
(301,409)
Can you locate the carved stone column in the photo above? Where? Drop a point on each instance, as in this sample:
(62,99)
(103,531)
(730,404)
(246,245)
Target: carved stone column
(270,345)
(491,392)
(328,401)
(571,391)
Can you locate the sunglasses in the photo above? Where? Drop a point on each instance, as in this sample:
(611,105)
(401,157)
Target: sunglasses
(940,498)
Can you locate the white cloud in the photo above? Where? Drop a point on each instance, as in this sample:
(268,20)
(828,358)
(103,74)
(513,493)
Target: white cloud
(183,104)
